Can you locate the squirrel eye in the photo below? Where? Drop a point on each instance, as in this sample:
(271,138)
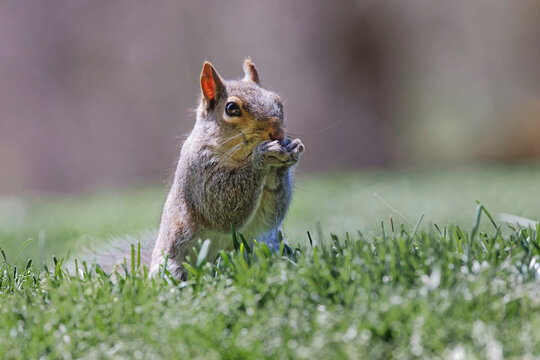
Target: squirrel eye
(232,109)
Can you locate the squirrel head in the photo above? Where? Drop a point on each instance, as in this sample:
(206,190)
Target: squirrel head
(240,110)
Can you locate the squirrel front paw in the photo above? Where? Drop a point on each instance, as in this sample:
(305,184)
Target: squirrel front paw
(281,153)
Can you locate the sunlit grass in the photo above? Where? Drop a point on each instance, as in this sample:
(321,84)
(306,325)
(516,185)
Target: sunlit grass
(404,293)
(419,269)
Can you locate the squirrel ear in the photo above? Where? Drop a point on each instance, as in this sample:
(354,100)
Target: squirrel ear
(251,71)
(211,83)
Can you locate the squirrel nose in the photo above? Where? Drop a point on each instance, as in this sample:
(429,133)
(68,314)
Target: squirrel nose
(276,133)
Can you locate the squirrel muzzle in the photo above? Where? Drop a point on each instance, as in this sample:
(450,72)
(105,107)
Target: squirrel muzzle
(275,130)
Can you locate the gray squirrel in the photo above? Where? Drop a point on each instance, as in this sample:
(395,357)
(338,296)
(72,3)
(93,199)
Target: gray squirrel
(235,169)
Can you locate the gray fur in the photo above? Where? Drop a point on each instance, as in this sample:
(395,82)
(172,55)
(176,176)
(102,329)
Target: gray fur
(229,172)
(111,254)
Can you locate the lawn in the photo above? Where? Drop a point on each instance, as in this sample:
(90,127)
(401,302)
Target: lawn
(433,282)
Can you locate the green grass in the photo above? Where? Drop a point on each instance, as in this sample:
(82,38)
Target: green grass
(56,225)
(459,289)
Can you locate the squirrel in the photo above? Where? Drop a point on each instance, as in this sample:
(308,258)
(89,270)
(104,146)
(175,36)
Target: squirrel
(235,170)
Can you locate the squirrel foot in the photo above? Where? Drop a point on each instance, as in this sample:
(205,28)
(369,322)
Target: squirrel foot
(281,153)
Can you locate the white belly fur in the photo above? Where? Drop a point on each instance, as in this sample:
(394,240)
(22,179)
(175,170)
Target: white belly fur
(259,226)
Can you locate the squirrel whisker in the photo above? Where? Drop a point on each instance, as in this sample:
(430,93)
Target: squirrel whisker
(231,152)
(230,139)
(290,135)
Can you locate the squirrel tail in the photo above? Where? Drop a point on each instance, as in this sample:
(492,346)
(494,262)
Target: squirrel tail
(111,254)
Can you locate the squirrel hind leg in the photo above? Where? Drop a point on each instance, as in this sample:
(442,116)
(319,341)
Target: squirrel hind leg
(173,267)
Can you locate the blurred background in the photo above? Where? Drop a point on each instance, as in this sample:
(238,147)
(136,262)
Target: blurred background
(98,94)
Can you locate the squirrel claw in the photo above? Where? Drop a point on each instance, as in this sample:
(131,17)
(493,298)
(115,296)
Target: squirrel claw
(281,153)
